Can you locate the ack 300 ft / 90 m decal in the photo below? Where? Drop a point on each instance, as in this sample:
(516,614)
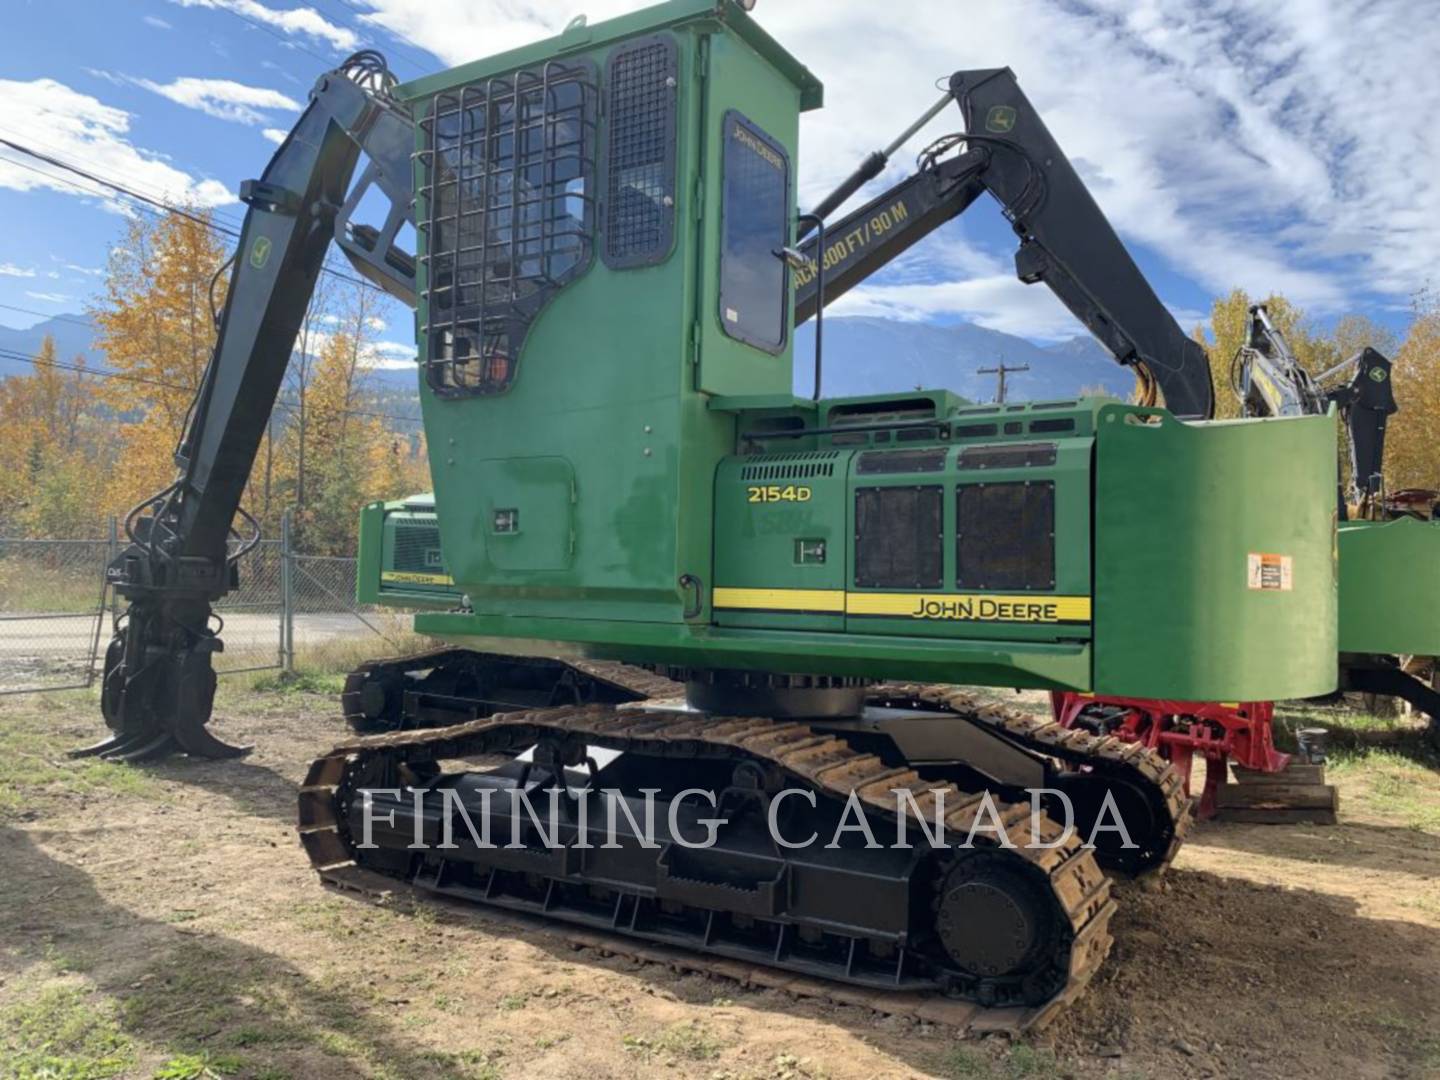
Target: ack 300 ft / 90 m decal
(964,607)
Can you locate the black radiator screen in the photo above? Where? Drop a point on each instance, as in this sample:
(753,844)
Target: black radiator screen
(1005,536)
(898,542)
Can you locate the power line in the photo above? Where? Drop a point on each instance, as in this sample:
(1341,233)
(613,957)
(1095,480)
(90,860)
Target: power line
(226,216)
(126,376)
(43,315)
(158,204)
(278,35)
(423,65)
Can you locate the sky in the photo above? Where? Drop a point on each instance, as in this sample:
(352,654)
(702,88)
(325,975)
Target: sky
(1275,145)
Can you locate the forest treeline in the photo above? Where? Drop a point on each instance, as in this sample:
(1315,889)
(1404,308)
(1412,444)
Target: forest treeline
(81,445)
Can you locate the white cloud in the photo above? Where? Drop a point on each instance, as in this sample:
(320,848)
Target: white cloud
(223,99)
(391,355)
(996,301)
(1219,136)
(155,21)
(11,270)
(77,128)
(303,20)
(275,135)
(375,355)
(49,297)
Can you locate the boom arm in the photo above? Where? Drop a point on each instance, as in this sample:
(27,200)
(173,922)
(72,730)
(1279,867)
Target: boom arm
(158,681)
(1065,239)
(1270,381)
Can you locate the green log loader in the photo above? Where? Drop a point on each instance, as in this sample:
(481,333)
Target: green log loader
(653,571)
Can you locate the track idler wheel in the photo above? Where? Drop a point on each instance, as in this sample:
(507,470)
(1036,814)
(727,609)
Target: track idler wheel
(1000,926)
(1139,809)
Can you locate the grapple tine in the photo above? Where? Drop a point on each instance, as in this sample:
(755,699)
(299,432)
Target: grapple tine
(142,747)
(195,739)
(105,746)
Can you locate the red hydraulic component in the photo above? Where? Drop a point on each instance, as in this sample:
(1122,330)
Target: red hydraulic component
(1219,732)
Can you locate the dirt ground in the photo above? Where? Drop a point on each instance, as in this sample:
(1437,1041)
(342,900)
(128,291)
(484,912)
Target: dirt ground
(162,921)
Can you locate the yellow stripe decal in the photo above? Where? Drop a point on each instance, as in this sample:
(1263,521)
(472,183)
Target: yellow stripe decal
(402,577)
(831,600)
(958,607)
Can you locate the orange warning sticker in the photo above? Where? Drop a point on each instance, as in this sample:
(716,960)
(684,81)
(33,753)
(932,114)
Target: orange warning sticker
(1266,571)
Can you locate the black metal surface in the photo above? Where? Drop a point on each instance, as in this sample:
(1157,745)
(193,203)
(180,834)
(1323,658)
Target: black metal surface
(1055,424)
(1367,402)
(641,81)
(940,738)
(899,537)
(764,697)
(1005,535)
(930,429)
(901,461)
(1007,456)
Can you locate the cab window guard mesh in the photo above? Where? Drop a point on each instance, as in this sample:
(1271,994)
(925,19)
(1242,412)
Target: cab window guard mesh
(508,186)
(641,81)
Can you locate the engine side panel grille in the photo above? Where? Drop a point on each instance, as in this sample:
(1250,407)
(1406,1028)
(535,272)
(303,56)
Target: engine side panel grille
(901,461)
(898,541)
(1011,456)
(1005,536)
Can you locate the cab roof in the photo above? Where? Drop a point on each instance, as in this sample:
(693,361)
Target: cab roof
(580,35)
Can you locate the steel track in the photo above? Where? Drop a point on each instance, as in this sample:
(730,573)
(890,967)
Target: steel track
(826,763)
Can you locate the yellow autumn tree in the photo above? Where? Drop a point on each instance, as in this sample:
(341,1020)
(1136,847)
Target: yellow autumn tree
(156,327)
(53,465)
(1412,450)
(353,451)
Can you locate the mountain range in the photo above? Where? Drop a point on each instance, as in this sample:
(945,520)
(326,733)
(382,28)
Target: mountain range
(863,355)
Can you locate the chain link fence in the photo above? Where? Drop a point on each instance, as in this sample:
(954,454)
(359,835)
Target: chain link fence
(56,614)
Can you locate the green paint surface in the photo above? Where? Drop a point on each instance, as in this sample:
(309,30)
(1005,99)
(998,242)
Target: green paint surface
(1390,587)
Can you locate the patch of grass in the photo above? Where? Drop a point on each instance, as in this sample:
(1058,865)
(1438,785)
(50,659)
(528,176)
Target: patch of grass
(511,1002)
(466,1064)
(61,1033)
(963,1062)
(1025,1061)
(547,1042)
(33,760)
(1020,1062)
(299,682)
(692,1042)
(1390,785)
(260,1036)
(198,1067)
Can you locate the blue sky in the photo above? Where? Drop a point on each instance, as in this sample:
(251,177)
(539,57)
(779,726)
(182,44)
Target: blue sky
(1289,144)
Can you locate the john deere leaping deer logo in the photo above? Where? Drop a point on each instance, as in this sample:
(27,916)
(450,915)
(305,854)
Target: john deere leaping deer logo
(1000,119)
(260,252)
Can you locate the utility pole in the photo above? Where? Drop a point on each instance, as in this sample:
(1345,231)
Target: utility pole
(1001,371)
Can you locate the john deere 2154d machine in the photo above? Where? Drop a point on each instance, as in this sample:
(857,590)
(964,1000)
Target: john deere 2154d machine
(659,571)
